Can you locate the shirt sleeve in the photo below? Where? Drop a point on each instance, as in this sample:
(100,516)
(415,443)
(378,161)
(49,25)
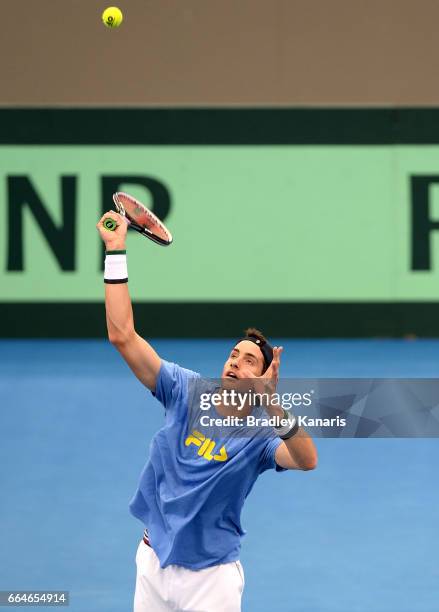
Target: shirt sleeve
(172,384)
(267,461)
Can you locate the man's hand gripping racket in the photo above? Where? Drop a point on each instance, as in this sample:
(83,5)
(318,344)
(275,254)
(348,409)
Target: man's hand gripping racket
(114,238)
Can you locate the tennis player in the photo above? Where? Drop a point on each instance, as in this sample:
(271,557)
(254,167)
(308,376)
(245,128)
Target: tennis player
(191,491)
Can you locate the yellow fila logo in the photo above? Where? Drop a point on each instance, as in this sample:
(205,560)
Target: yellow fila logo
(206,447)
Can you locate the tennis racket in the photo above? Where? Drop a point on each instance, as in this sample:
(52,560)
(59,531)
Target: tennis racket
(139,218)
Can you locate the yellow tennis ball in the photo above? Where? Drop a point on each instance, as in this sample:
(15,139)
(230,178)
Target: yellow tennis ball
(112,17)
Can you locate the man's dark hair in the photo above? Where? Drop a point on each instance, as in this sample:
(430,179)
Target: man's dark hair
(255,333)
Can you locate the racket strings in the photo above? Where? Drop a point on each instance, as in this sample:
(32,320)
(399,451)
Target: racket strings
(142,219)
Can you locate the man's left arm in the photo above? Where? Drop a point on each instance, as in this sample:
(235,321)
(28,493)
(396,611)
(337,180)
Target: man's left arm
(297,453)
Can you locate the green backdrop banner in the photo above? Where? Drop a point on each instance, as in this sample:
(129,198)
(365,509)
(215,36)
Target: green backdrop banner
(251,223)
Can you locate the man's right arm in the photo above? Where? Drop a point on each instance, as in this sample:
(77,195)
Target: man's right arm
(139,355)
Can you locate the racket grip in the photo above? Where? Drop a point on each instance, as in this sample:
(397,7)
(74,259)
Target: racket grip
(109,224)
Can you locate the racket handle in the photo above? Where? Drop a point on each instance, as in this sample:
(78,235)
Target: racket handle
(109,224)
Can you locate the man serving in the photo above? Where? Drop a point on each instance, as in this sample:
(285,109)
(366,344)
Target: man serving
(191,493)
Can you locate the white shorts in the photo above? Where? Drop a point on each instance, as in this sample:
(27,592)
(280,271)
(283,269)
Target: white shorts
(213,589)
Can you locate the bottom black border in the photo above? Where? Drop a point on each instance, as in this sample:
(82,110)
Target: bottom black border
(221,320)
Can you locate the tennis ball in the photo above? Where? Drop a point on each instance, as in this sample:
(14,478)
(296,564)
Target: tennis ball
(112,17)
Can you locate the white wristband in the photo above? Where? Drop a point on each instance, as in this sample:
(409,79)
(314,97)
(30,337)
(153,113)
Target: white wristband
(116,270)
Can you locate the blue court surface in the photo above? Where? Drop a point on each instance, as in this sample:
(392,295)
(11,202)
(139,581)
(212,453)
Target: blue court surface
(358,534)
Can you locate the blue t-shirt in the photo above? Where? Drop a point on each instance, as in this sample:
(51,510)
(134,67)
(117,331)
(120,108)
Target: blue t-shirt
(190,502)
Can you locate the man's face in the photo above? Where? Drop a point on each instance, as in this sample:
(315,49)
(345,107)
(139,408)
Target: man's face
(244,357)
